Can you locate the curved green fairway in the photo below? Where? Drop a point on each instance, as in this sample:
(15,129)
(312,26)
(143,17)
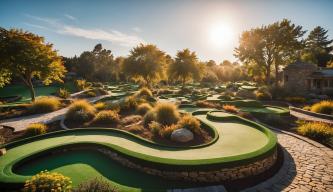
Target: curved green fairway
(87,164)
(238,141)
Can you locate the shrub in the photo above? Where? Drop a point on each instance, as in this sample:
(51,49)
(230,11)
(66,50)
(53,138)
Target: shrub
(316,130)
(263,95)
(189,122)
(325,107)
(44,105)
(112,106)
(149,117)
(230,108)
(167,130)
(166,113)
(80,111)
(144,92)
(295,99)
(63,93)
(97,84)
(100,106)
(81,84)
(155,127)
(90,94)
(46,181)
(95,185)
(135,129)
(106,117)
(35,129)
(130,103)
(206,104)
(143,108)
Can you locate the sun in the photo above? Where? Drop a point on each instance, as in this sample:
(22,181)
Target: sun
(221,35)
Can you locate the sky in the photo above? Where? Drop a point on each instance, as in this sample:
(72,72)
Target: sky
(211,28)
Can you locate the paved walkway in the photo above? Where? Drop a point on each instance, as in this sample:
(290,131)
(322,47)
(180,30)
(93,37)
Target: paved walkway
(20,123)
(308,166)
(307,117)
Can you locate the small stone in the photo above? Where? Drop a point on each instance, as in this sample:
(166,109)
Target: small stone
(182,135)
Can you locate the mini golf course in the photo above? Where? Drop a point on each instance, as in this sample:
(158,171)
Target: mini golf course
(237,143)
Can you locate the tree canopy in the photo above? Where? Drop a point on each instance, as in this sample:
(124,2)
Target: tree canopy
(26,56)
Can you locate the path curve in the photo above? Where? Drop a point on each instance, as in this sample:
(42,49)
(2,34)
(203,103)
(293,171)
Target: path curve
(307,166)
(20,123)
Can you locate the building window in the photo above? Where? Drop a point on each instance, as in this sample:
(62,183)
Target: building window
(286,78)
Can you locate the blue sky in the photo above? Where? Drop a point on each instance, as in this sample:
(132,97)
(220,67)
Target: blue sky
(76,26)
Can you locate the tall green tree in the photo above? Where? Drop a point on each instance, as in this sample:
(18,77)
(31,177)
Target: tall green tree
(185,67)
(147,62)
(318,47)
(27,56)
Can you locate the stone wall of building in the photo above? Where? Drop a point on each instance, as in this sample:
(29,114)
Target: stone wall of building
(224,174)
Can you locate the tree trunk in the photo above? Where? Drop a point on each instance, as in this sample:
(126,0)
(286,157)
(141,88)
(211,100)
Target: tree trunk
(268,75)
(183,82)
(276,75)
(32,91)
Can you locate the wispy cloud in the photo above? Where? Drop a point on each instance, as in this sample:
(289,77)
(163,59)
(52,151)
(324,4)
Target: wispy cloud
(71,17)
(137,29)
(112,36)
(34,25)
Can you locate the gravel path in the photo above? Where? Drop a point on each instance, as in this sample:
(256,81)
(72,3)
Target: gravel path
(20,123)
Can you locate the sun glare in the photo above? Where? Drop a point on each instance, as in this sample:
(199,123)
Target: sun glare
(221,35)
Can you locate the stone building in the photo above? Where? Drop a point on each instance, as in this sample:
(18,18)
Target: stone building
(301,78)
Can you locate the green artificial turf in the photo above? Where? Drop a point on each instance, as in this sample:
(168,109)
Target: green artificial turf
(83,165)
(240,141)
(23,91)
(266,110)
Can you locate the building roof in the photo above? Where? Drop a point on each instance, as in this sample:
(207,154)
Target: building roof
(323,72)
(300,65)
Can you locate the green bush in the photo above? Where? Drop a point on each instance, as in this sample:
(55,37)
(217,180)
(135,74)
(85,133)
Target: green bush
(316,130)
(143,108)
(325,107)
(166,113)
(106,117)
(48,182)
(35,129)
(80,111)
(95,185)
(44,105)
(149,117)
(63,93)
(191,123)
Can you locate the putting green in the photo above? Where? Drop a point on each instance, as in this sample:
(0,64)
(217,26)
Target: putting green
(240,141)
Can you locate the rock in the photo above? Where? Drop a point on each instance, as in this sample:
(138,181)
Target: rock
(182,135)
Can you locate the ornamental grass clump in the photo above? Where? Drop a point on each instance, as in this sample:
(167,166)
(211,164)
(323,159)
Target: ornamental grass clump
(80,111)
(325,107)
(143,108)
(100,106)
(44,105)
(48,182)
(316,130)
(106,117)
(166,113)
(95,185)
(35,129)
(63,93)
(155,127)
(167,130)
(230,108)
(144,92)
(191,123)
(149,117)
(263,95)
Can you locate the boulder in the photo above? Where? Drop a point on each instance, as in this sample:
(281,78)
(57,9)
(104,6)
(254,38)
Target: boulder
(182,135)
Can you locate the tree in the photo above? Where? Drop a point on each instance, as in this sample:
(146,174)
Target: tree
(27,56)
(270,46)
(185,67)
(147,62)
(318,47)
(211,63)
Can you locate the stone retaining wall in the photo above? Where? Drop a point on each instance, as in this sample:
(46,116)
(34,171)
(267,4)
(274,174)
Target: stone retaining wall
(224,174)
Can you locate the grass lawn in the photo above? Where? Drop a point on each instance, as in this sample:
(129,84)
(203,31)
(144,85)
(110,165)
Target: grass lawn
(23,91)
